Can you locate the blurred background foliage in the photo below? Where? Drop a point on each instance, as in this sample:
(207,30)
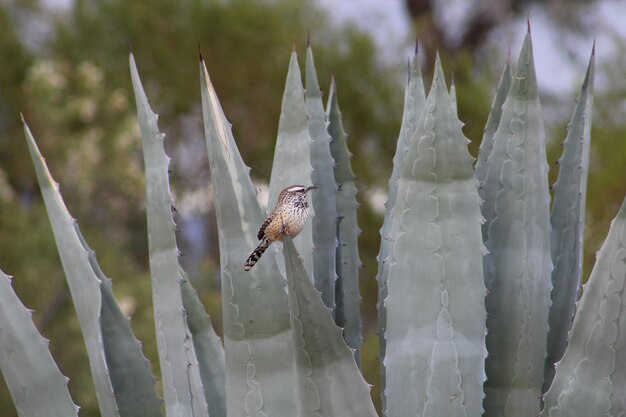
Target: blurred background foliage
(65,67)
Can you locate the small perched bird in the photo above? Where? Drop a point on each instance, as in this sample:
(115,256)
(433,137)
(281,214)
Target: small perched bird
(287,218)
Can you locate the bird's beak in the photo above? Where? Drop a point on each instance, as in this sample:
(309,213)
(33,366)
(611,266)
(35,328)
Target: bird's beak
(313,187)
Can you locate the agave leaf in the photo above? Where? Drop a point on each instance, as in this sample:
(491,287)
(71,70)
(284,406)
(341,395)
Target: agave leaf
(257,332)
(129,370)
(209,349)
(493,120)
(82,280)
(348,313)
(414,101)
(591,377)
(435,303)
(322,357)
(518,265)
(182,386)
(292,160)
(324,199)
(567,219)
(133,384)
(36,385)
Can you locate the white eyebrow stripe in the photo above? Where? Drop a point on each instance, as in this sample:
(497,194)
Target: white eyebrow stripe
(296,188)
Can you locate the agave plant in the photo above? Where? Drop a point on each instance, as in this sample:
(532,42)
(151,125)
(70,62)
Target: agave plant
(477,279)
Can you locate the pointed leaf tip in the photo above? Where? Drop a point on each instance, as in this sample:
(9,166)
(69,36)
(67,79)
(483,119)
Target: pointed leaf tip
(438,75)
(622,210)
(416,45)
(200,54)
(308,38)
(589,75)
(593,48)
(524,84)
(437,60)
(528,21)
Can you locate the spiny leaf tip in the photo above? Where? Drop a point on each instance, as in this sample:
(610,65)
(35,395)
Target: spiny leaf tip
(437,59)
(438,75)
(593,48)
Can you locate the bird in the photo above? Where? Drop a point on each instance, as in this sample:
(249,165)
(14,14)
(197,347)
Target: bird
(287,218)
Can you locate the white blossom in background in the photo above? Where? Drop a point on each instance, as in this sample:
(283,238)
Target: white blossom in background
(194,202)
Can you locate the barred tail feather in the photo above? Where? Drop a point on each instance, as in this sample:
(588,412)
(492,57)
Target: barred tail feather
(256,254)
